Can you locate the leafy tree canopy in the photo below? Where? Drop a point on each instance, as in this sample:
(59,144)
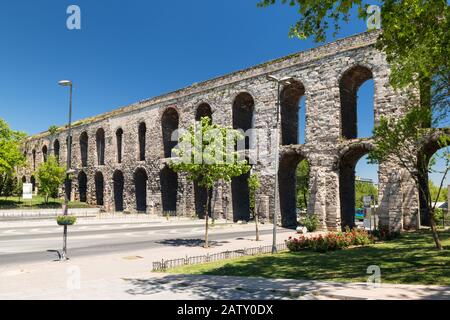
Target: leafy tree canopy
(50,176)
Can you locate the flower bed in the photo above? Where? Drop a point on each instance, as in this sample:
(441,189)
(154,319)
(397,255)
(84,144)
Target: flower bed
(330,242)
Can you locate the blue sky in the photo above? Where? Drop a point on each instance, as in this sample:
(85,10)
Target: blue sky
(133,50)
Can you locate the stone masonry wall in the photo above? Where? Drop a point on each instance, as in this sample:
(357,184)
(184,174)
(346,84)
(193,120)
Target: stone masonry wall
(318,71)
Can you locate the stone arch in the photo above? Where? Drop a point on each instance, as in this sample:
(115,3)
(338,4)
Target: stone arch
(119,144)
(348,158)
(169,122)
(99,188)
(118,187)
(56,149)
(100,141)
(82,186)
(84,144)
(432,146)
(244,114)
(290,101)
(44,153)
(203,110)
(140,184)
(349,84)
(287,186)
(142,131)
(169,189)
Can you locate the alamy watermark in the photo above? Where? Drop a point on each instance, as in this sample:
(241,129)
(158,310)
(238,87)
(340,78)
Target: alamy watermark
(373,17)
(73,21)
(374,280)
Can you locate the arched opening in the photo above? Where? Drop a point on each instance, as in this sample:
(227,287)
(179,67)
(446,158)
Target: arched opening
(357,178)
(99,188)
(84,149)
(169,123)
(100,140)
(140,184)
(201,197)
(34,159)
(44,153)
(119,137)
(24,179)
(203,110)
(118,182)
(56,149)
(142,134)
(433,164)
(355,100)
(82,186)
(291,97)
(293,188)
(240,194)
(68,188)
(169,189)
(33,183)
(243,115)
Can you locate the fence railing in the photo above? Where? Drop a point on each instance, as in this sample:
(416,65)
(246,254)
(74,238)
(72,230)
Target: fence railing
(164,265)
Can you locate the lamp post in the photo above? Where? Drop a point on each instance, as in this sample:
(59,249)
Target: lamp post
(67,83)
(280,82)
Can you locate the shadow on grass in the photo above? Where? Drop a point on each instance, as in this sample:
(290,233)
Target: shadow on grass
(411,259)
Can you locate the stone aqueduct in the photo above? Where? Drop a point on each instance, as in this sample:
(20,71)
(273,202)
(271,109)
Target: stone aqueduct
(121,156)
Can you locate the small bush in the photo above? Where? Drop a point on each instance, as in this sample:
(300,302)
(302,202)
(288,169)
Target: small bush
(310,222)
(384,234)
(331,241)
(66,220)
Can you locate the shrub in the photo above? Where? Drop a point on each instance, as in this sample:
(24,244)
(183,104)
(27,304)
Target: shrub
(331,241)
(66,220)
(310,222)
(384,234)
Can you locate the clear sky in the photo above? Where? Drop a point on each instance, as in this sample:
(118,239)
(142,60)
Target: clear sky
(131,50)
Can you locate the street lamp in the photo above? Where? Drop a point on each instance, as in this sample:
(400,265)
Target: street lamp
(280,82)
(67,83)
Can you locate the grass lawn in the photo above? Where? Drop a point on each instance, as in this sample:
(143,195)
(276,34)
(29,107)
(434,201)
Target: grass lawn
(37,202)
(410,259)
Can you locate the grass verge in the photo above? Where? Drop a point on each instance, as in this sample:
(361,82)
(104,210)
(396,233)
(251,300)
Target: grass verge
(410,259)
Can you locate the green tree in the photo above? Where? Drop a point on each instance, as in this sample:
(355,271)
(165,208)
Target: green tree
(253,185)
(53,130)
(401,142)
(364,189)
(206,154)
(50,176)
(11,156)
(439,195)
(302,184)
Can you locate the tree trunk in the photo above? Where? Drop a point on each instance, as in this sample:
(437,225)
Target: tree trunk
(208,201)
(434,231)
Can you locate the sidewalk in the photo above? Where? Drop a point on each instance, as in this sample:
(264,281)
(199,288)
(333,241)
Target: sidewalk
(35,280)
(128,276)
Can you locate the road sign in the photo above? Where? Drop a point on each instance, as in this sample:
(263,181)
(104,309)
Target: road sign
(27,192)
(367,201)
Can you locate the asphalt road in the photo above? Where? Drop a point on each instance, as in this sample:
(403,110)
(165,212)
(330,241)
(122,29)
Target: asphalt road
(27,244)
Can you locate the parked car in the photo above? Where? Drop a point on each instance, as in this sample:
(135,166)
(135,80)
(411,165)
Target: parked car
(359,214)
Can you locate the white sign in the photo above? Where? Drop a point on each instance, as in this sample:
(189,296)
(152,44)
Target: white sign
(367,201)
(27,191)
